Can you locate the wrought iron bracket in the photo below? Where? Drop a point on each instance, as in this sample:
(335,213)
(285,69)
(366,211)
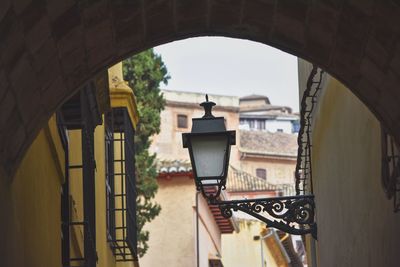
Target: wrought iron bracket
(290,214)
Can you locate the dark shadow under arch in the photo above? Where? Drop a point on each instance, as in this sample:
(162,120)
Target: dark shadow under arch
(48,50)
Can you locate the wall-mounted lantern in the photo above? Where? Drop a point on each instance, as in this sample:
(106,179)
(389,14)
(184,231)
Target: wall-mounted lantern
(209,145)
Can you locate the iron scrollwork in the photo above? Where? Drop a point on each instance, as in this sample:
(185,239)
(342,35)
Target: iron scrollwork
(291,214)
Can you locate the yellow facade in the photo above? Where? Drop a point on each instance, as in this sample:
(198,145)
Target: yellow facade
(244,250)
(356,222)
(30,205)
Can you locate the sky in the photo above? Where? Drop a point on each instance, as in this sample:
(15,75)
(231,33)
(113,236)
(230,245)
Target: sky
(226,66)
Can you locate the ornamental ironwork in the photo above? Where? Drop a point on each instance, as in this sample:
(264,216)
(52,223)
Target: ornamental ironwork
(210,160)
(303,173)
(390,168)
(291,214)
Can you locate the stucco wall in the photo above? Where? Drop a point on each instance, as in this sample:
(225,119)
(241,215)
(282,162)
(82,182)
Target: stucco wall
(279,171)
(356,223)
(173,233)
(30,229)
(243,250)
(30,224)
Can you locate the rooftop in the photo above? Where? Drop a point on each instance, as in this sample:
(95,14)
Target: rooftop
(268,144)
(241,181)
(265,107)
(255,97)
(197,98)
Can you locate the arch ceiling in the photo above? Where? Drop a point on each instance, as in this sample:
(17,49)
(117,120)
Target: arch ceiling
(49,48)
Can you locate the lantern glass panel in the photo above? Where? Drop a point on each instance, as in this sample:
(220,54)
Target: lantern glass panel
(210,182)
(209,154)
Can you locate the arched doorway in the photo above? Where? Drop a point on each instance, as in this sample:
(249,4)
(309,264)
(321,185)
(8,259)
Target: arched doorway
(49,49)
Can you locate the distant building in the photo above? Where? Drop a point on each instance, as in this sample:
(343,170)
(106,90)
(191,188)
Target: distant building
(257,113)
(270,156)
(195,221)
(182,207)
(262,165)
(254,244)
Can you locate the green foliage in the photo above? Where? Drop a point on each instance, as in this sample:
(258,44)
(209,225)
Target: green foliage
(145,72)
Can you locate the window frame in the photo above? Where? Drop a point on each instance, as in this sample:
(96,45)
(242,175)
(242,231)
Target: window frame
(121,185)
(81,112)
(186,124)
(264,171)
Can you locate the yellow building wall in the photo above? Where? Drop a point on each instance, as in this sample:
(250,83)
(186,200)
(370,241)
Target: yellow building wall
(356,223)
(104,252)
(30,233)
(241,249)
(30,220)
(30,203)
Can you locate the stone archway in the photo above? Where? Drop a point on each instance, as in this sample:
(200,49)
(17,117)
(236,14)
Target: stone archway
(49,48)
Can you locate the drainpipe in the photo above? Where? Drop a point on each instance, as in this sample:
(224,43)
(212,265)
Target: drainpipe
(261,245)
(313,253)
(197,230)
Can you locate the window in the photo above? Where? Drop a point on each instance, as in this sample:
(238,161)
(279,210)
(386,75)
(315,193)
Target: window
(279,130)
(182,121)
(251,124)
(261,124)
(295,126)
(121,185)
(261,173)
(80,113)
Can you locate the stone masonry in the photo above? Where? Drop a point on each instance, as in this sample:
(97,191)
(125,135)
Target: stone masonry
(49,48)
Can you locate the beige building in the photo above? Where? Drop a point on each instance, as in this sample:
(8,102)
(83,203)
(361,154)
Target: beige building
(177,116)
(187,229)
(270,156)
(254,244)
(200,225)
(258,114)
(262,165)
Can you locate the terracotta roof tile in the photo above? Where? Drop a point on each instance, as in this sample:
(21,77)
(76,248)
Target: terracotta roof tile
(241,181)
(267,143)
(173,166)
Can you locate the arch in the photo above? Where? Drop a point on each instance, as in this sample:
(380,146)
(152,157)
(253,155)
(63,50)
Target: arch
(50,48)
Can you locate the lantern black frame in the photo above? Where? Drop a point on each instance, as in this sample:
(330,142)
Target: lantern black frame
(231,140)
(291,214)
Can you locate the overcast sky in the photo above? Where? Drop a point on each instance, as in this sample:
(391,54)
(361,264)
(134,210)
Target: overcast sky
(226,66)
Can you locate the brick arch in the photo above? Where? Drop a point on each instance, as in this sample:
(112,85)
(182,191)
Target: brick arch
(49,48)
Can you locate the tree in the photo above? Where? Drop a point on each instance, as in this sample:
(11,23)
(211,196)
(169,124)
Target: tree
(145,72)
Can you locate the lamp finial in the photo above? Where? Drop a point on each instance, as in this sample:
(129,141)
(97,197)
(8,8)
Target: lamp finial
(207,108)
